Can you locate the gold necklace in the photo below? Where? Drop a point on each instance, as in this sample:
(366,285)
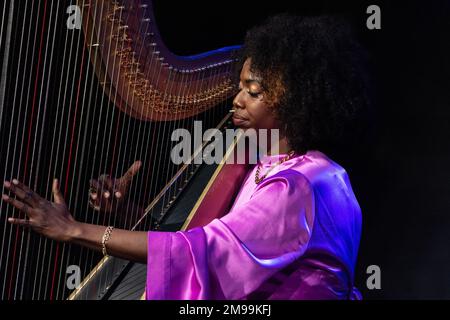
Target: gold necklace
(258,179)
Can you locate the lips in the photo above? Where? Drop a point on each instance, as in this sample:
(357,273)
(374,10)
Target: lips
(238,120)
(238,117)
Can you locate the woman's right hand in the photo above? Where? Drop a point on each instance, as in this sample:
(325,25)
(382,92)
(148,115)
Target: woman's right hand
(107,194)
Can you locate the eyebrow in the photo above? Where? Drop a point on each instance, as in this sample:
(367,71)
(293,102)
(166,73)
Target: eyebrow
(248,81)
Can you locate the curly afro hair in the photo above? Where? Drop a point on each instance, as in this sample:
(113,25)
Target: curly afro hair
(314,71)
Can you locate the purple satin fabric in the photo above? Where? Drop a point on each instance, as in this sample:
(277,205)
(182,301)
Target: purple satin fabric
(293,236)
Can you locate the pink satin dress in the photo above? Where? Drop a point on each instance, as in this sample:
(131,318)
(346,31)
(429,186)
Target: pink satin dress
(295,235)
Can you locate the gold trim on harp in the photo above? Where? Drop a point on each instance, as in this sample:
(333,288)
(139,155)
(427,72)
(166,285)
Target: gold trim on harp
(88,277)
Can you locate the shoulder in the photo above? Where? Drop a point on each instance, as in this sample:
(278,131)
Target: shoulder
(287,181)
(319,169)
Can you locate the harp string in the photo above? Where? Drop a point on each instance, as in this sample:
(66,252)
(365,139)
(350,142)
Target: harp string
(146,145)
(9,264)
(48,245)
(52,263)
(183,124)
(90,216)
(121,164)
(23,176)
(159,140)
(117,126)
(6,53)
(3,90)
(97,217)
(170,171)
(47,64)
(122,161)
(48,181)
(72,128)
(119,123)
(168,196)
(36,175)
(40,265)
(139,150)
(91,256)
(89,43)
(65,257)
(68,198)
(91,106)
(55,157)
(154,135)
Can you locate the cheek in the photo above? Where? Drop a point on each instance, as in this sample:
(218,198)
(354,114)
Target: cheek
(262,116)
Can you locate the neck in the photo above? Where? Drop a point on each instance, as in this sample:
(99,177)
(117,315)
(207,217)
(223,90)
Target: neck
(280,147)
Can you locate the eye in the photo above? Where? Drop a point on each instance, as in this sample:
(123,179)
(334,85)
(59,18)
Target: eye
(254,94)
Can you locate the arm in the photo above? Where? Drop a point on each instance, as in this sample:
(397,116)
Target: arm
(130,245)
(53,220)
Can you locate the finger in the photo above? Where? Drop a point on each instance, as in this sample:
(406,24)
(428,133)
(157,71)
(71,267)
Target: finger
(93,196)
(118,194)
(20,222)
(29,211)
(98,193)
(107,187)
(25,188)
(29,197)
(95,188)
(57,195)
(131,172)
(106,182)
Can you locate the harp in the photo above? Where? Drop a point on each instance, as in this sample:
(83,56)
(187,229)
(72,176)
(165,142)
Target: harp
(76,103)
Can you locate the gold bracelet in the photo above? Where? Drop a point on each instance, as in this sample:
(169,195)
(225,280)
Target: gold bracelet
(105,238)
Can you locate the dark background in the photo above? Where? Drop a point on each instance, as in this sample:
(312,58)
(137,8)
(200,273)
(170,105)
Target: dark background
(400,176)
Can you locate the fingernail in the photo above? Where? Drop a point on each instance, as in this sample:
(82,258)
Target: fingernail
(7,184)
(107,194)
(94,196)
(118,195)
(15,181)
(5,197)
(10,219)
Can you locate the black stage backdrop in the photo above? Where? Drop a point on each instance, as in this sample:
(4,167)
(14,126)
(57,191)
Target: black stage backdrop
(400,176)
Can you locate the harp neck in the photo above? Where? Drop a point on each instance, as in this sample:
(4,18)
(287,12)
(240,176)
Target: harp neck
(146,80)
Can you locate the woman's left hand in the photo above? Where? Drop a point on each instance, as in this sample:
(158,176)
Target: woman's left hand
(51,219)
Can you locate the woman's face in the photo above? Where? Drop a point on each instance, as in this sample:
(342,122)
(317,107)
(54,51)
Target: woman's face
(251,107)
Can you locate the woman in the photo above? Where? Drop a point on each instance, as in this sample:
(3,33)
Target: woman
(293,231)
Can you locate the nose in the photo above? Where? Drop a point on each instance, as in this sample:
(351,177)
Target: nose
(237,101)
